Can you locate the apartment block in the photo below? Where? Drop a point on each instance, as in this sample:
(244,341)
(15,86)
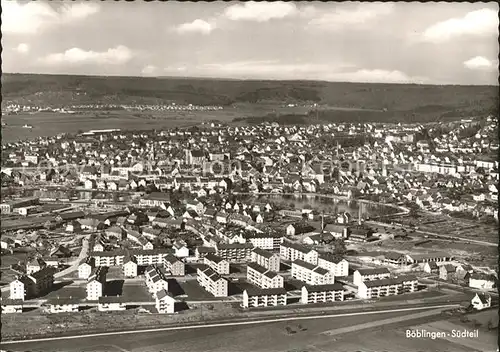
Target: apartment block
(218,264)
(293,251)
(96,283)
(322,293)
(234,252)
(263,277)
(311,274)
(156,279)
(266,259)
(175,266)
(337,266)
(361,275)
(271,297)
(212,282)
(387,287)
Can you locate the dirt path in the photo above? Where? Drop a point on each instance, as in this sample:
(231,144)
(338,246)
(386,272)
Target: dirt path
(381,322)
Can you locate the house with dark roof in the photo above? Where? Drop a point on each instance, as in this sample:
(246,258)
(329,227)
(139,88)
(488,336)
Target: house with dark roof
(481,301)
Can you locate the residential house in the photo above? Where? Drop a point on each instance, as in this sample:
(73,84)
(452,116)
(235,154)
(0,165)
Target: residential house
(431,268)
(482,281)
(481,301)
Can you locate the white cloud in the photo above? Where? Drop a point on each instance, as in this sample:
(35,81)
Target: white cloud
(79,11)
(149,70)
(342,16)
(260,11)
(197,26)
(375,76)
(23,48)
(113,56)
(479,22)
(34,16)
(478,63)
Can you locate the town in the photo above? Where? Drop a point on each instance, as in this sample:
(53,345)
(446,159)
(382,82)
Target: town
(256,216)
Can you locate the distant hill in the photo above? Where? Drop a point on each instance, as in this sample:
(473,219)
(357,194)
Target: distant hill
(394,99)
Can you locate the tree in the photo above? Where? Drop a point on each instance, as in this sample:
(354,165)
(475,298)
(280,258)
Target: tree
(340,247)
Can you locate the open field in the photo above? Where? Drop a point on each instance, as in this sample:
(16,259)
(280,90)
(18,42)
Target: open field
(194,291)
(308,336)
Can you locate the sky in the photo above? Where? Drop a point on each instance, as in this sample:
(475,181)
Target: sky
(424,43)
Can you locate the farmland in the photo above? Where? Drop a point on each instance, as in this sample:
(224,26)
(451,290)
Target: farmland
(240,100)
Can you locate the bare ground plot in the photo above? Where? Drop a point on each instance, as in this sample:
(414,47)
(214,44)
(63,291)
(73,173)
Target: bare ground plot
(304,336)
(195,292)
(64,290)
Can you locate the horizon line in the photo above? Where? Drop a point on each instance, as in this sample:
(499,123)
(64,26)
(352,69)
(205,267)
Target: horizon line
(247,79)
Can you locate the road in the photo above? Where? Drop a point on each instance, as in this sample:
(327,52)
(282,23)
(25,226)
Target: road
(74,266)
(160,335)
(408,228)
(83,254)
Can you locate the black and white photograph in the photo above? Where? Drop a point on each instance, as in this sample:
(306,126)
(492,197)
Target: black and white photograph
(241,176)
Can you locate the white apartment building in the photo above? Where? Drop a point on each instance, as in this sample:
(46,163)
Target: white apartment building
(156,279)
(270,297)
(94,290)
(218,264)
(263,277)
(387,287)
(311,274)
(361,275)
(266,259)
(322,293)
(130,267)
(63,305)
(85,268)
(338,266)
(293,251)
(96,282)
(111,304)
(265,241)
(174,265)
(212,282)
(17,290)
(235,252)
(165,303)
